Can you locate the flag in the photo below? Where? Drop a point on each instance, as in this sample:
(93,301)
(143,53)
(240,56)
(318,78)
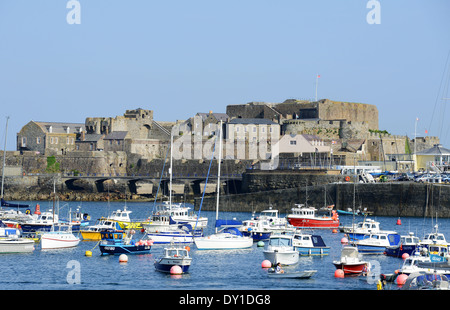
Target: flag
(426,131)
(318,75)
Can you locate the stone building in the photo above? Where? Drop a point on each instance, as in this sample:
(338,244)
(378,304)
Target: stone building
(49,138)
(324,110)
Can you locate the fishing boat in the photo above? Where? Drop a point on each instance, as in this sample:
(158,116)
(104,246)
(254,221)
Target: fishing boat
(308,245)
(408,244)
(93,232)
(174,256)
(116,242)
(257,229)
(78,218)
(280,249)
(411,264)
(434,238)
(306,217)
(60,236)
(183,233)
(376,243)
(15,244)
(350,261)
(229,237)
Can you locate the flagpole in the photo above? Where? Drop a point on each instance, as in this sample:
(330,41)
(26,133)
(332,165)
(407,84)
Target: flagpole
(317,84)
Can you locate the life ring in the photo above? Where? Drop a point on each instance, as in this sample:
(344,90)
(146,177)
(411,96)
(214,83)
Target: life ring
(347,179)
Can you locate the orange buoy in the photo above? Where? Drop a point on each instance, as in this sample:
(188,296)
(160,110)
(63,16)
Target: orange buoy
(266,264)
(339,273)
(37,210)
(344,241)
(187,248)
(347,178)
(401,279)
(399,221)
(405,256)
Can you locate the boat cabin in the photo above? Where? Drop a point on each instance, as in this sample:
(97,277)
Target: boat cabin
(411,239)
(280,241)
(121,215)
(369,225)
(112,236)
(301,210)
(176,252)
(434,238)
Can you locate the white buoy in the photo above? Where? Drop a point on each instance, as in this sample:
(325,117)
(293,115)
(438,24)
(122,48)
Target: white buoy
(123,258)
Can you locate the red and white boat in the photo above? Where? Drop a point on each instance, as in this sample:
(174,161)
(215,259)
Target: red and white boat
(306,217)
(350,262)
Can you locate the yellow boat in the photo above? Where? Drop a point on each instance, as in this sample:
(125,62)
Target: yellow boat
(93,232)
(122,217)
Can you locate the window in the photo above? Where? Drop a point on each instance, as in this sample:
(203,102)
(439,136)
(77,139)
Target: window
(38,140)
(24,141)
(293,142)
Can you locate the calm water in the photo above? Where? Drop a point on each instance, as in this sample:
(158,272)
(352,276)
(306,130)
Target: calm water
(210,270)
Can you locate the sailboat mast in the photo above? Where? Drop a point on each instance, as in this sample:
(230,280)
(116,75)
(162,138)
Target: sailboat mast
(4,156)
(218,172)
(170,171)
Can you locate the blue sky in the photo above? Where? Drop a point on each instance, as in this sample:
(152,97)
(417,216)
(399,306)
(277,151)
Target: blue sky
(178,58)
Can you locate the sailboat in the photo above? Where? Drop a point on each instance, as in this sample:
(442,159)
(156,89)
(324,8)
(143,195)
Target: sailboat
(162,228)
(229,237)
(60,235)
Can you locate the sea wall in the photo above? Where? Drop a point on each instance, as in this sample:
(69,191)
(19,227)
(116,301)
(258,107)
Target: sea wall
(383,199)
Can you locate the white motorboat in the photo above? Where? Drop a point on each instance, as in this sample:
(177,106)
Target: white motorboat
(280,249)
(14,244)
(174,256)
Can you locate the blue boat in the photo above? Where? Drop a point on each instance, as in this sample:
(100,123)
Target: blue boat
(408,244)
(174,256)
(308,245)
(259,230)
(116,242)
(44,222)
(183,233)
(376,243)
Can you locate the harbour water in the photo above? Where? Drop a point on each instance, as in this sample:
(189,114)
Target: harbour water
(70,269)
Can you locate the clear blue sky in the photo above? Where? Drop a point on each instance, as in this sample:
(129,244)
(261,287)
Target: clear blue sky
(178,58)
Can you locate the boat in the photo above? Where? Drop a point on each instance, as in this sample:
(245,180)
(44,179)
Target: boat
(59,237)
(173,214)
(309,245)
(361,229)
(15,244)
(174,256)
(306,217)
(78,217)
(426,281)
(305,274)
(376,243)
(44,223)
(116,242)
(93,232)
(408,244)
(350,262)
(411,264)
(229,237)
(183,233)
(257,229)
(280,249)
(13,205)
(434,238)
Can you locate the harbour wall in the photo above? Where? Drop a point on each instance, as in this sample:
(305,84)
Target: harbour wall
(402,199)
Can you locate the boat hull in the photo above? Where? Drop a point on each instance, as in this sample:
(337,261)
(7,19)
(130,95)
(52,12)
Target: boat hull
(57,241)
(351,269)
(225,243)
(91,235)
(284,258)
(114,249)
(31,227)
(398,251)
(311,251)
(16,246)
(313,222)
(369,249)
(257,236)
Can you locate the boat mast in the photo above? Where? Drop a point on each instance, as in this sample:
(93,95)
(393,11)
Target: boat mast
(218,172)
(4,156)
(170,172)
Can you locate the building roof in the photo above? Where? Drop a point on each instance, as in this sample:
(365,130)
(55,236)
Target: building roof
(219,116)
(255,121)
(116,135)
(57,127)
(436,150)
(91,137)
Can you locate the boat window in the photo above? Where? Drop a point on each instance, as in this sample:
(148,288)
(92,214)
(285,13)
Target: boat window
(383,237)
(306,238)
(117,236)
